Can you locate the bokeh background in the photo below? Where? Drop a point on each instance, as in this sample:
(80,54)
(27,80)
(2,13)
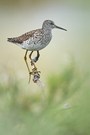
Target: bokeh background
(62,105)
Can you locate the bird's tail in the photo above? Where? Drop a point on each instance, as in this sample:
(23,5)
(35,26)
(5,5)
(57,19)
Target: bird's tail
(13,40)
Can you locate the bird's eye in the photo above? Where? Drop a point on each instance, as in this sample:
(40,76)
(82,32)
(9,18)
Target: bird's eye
(51,23)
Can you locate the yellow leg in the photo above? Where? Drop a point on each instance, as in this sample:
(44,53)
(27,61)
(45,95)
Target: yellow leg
(38,55)
(36,58)
(25,58)
(32,61)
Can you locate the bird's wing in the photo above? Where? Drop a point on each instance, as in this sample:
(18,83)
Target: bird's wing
(24,37)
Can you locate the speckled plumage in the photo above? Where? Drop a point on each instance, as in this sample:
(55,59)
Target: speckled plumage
(35,40)
(38,39)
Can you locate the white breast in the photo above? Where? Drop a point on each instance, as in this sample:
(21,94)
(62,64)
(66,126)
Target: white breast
(37,42)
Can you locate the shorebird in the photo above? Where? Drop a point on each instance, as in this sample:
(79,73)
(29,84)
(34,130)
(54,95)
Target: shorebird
(35,40)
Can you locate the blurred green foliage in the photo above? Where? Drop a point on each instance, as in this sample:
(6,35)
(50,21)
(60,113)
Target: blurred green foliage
(63,110)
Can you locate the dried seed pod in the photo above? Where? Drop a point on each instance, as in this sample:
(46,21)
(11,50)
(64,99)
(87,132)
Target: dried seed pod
(36,77)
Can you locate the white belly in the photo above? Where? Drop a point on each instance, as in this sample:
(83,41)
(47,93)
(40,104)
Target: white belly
(34,45)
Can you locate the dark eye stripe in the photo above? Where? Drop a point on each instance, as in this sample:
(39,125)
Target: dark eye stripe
(51,23)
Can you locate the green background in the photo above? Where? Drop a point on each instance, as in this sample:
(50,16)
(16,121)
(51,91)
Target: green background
(62,105)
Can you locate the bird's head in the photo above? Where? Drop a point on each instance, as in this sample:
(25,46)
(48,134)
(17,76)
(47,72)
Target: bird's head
(49,24)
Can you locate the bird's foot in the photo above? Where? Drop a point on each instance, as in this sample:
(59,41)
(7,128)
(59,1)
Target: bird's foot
(36,77)
(35,74)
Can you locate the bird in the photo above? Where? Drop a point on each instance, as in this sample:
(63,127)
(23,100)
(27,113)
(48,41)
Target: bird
(35,40)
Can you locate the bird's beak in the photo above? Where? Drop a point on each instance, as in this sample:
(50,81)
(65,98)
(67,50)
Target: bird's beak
(60,28)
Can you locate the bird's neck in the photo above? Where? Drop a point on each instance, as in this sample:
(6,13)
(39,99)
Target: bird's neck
(47,30)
